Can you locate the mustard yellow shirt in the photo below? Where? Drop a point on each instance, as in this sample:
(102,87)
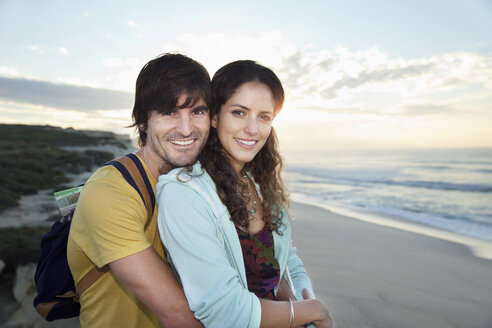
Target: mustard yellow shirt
(108,225)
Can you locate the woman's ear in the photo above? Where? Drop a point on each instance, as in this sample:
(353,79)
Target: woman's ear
(214,121)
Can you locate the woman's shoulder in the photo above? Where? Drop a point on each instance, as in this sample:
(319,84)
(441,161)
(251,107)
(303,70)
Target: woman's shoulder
(190,176)
(188,181)
(183,174)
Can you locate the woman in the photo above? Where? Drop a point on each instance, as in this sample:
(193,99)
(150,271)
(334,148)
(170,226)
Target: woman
(223,220)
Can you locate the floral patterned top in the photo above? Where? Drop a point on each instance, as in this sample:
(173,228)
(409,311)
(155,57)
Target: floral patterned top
(262,268)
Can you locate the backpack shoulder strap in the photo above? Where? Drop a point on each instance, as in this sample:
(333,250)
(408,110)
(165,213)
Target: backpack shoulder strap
(134,173)
(87,280)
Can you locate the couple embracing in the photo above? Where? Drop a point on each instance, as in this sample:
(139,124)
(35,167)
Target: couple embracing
(218,250)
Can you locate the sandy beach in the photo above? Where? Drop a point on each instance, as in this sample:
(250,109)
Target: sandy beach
(372,276)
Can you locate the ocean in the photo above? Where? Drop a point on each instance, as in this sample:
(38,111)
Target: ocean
(448,189)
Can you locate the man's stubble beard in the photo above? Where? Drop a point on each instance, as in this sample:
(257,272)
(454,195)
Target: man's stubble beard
(167,163)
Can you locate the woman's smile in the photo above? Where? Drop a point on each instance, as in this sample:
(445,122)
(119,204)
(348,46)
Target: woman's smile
(249,144)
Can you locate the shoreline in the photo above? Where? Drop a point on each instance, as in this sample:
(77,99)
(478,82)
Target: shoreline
(480,248)
(374,276)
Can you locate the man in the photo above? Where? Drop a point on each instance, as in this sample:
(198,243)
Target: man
(108,228)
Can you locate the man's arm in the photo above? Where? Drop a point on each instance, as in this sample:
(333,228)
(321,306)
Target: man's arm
(154,283)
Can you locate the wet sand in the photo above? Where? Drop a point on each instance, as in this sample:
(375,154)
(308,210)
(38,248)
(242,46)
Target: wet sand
(372,276)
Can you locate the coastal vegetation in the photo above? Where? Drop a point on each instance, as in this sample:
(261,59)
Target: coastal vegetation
(19,246)
(34,158)
(39,157)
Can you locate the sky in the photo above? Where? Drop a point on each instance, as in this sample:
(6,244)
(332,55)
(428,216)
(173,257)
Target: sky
(357,74)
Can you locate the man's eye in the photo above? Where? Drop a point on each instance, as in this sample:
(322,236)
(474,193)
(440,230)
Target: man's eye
(201,110)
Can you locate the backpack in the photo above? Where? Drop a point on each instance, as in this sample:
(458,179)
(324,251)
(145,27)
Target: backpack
(57,296)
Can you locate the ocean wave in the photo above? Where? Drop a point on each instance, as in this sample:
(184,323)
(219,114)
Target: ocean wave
(450,190)
(482,188)
(461,225)
(457,224)
(358,177)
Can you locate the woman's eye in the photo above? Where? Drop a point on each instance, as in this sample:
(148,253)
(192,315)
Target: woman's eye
(266,117)
(237,112)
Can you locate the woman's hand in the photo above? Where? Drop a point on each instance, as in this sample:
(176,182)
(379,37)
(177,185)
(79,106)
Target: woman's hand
(325,321)
(284,293)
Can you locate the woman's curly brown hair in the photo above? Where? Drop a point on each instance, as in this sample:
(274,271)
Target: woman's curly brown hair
(267,165)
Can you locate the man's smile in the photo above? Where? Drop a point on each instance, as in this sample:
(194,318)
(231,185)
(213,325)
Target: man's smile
(182,142)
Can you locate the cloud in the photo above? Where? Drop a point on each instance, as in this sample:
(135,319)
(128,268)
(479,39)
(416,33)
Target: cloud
(62,96)
(372,81)
(292,70)
(383,74)
(8,71)
(364,82)
(36,48)
(113,62)
(335,80)
(125,63)
(63,51)
(428,109)
(131,23)
(217,49)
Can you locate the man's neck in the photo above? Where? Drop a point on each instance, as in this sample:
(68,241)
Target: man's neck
(155,164)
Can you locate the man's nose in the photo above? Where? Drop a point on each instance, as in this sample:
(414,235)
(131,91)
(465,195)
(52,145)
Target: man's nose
(184,126)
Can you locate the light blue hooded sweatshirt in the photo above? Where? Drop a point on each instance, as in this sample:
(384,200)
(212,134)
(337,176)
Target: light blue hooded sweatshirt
(203,247)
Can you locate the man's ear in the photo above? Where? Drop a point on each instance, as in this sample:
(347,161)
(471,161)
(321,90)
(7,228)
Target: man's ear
(214,121)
